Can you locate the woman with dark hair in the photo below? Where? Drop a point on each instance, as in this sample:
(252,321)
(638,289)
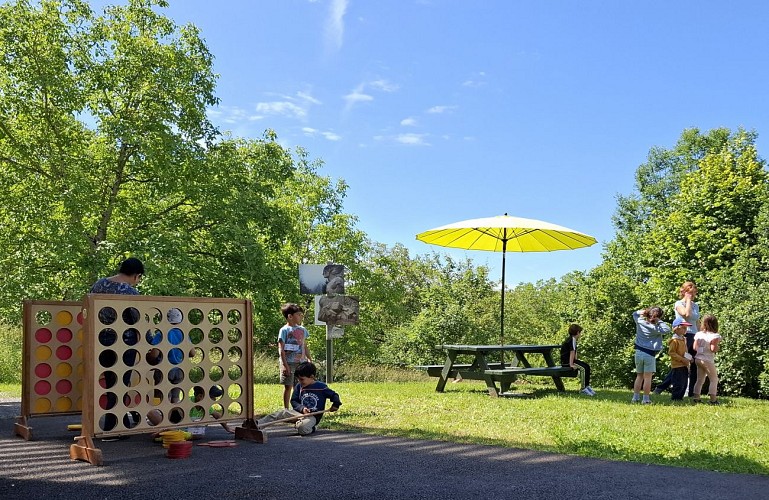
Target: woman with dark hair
(124,282)
(648,343)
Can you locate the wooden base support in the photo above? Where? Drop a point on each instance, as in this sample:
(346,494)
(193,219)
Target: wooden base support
(84,450)
(250,432)
(21,428)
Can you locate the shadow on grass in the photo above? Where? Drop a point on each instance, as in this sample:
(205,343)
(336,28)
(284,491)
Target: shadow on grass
(701,460)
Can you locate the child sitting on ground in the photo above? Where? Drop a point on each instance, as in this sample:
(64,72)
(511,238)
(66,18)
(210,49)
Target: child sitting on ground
(309,396)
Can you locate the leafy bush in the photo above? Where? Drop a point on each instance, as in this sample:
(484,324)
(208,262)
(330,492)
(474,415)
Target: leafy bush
(10,354)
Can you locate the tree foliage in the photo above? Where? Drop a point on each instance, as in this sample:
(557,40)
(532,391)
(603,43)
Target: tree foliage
(106,151)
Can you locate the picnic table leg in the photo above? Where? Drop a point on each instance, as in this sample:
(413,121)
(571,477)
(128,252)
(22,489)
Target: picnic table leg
(483,365)
(452,355)
(522,359)
(491,386)
(557,380)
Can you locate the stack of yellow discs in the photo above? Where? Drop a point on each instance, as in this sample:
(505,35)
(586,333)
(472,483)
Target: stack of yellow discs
(172,437)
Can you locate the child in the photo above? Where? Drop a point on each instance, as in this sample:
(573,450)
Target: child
(679,359)
(569,358)
(707,343)
(292,347)
(648,343)
(309,396)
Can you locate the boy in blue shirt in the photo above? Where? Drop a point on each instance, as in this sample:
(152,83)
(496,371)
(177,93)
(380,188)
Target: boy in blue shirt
(309,396)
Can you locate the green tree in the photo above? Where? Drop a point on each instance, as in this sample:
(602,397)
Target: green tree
(700,214)
(452,303)
(103,117)
(106,151)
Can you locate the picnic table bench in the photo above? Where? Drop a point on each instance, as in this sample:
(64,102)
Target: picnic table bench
(492,372)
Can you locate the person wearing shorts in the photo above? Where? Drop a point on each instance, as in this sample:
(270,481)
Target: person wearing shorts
(648,343)
(292,348)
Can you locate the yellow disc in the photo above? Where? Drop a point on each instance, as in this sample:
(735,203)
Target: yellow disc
(64,317)
(80,335)
(80,370)
(42,353)
(42,405)
(63,370)
(63,404)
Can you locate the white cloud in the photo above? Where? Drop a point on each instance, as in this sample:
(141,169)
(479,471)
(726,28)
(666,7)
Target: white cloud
(359,94)
(406,139)
(231,115)
(409,122)
(328,135)
(283,108)
(475,81)
(441,109)
(383,85)
(334,28)
(296,107)
(412,139)
(307,97)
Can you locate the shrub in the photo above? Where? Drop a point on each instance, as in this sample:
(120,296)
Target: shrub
(10,354)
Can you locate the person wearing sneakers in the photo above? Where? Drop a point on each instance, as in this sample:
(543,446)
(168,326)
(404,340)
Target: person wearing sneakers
(569,358)
(707,342)
(680,359)
(649,329)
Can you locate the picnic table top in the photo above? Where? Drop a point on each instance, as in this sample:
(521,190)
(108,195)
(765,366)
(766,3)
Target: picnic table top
(498,347)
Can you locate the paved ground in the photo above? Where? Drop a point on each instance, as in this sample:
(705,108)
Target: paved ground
(334,465)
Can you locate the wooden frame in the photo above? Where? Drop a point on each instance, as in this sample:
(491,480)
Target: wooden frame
(142,376)
(52,361)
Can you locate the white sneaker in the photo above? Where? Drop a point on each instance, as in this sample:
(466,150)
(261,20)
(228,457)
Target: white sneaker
(592,392)
(635,400)
(587,391)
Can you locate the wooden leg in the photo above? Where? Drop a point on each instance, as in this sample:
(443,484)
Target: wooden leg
(21,428)
(85,450)
(491,386)
(250,432)
(452,355)
(557,380)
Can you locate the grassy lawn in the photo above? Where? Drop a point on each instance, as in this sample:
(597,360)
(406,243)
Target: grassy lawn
(733,437)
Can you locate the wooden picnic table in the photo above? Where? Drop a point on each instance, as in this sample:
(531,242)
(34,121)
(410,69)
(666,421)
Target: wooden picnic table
(483,368)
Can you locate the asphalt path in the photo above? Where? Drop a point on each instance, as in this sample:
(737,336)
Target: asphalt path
(334,465)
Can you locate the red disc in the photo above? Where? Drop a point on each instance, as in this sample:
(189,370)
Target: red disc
(63,352)
(43,370)
(63,386)
(42,388)
(64,335)
(43,335)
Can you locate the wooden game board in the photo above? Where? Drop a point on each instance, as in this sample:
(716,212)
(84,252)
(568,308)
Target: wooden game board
(52,362)
(155,363)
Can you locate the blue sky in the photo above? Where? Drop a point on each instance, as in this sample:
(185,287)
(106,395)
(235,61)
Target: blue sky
(436,111)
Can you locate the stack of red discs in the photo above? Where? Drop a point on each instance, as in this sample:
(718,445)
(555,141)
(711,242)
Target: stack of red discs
(180,449)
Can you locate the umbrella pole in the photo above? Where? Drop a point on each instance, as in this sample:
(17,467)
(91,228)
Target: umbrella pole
(502,312)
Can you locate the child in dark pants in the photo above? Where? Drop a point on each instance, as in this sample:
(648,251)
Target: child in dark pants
(569,358)
(680,359)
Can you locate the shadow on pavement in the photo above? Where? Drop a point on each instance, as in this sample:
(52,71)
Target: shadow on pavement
(338,465)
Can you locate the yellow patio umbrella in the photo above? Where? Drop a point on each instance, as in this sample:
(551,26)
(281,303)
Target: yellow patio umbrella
(504,233)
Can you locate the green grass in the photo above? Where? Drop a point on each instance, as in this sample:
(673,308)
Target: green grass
(733,437)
